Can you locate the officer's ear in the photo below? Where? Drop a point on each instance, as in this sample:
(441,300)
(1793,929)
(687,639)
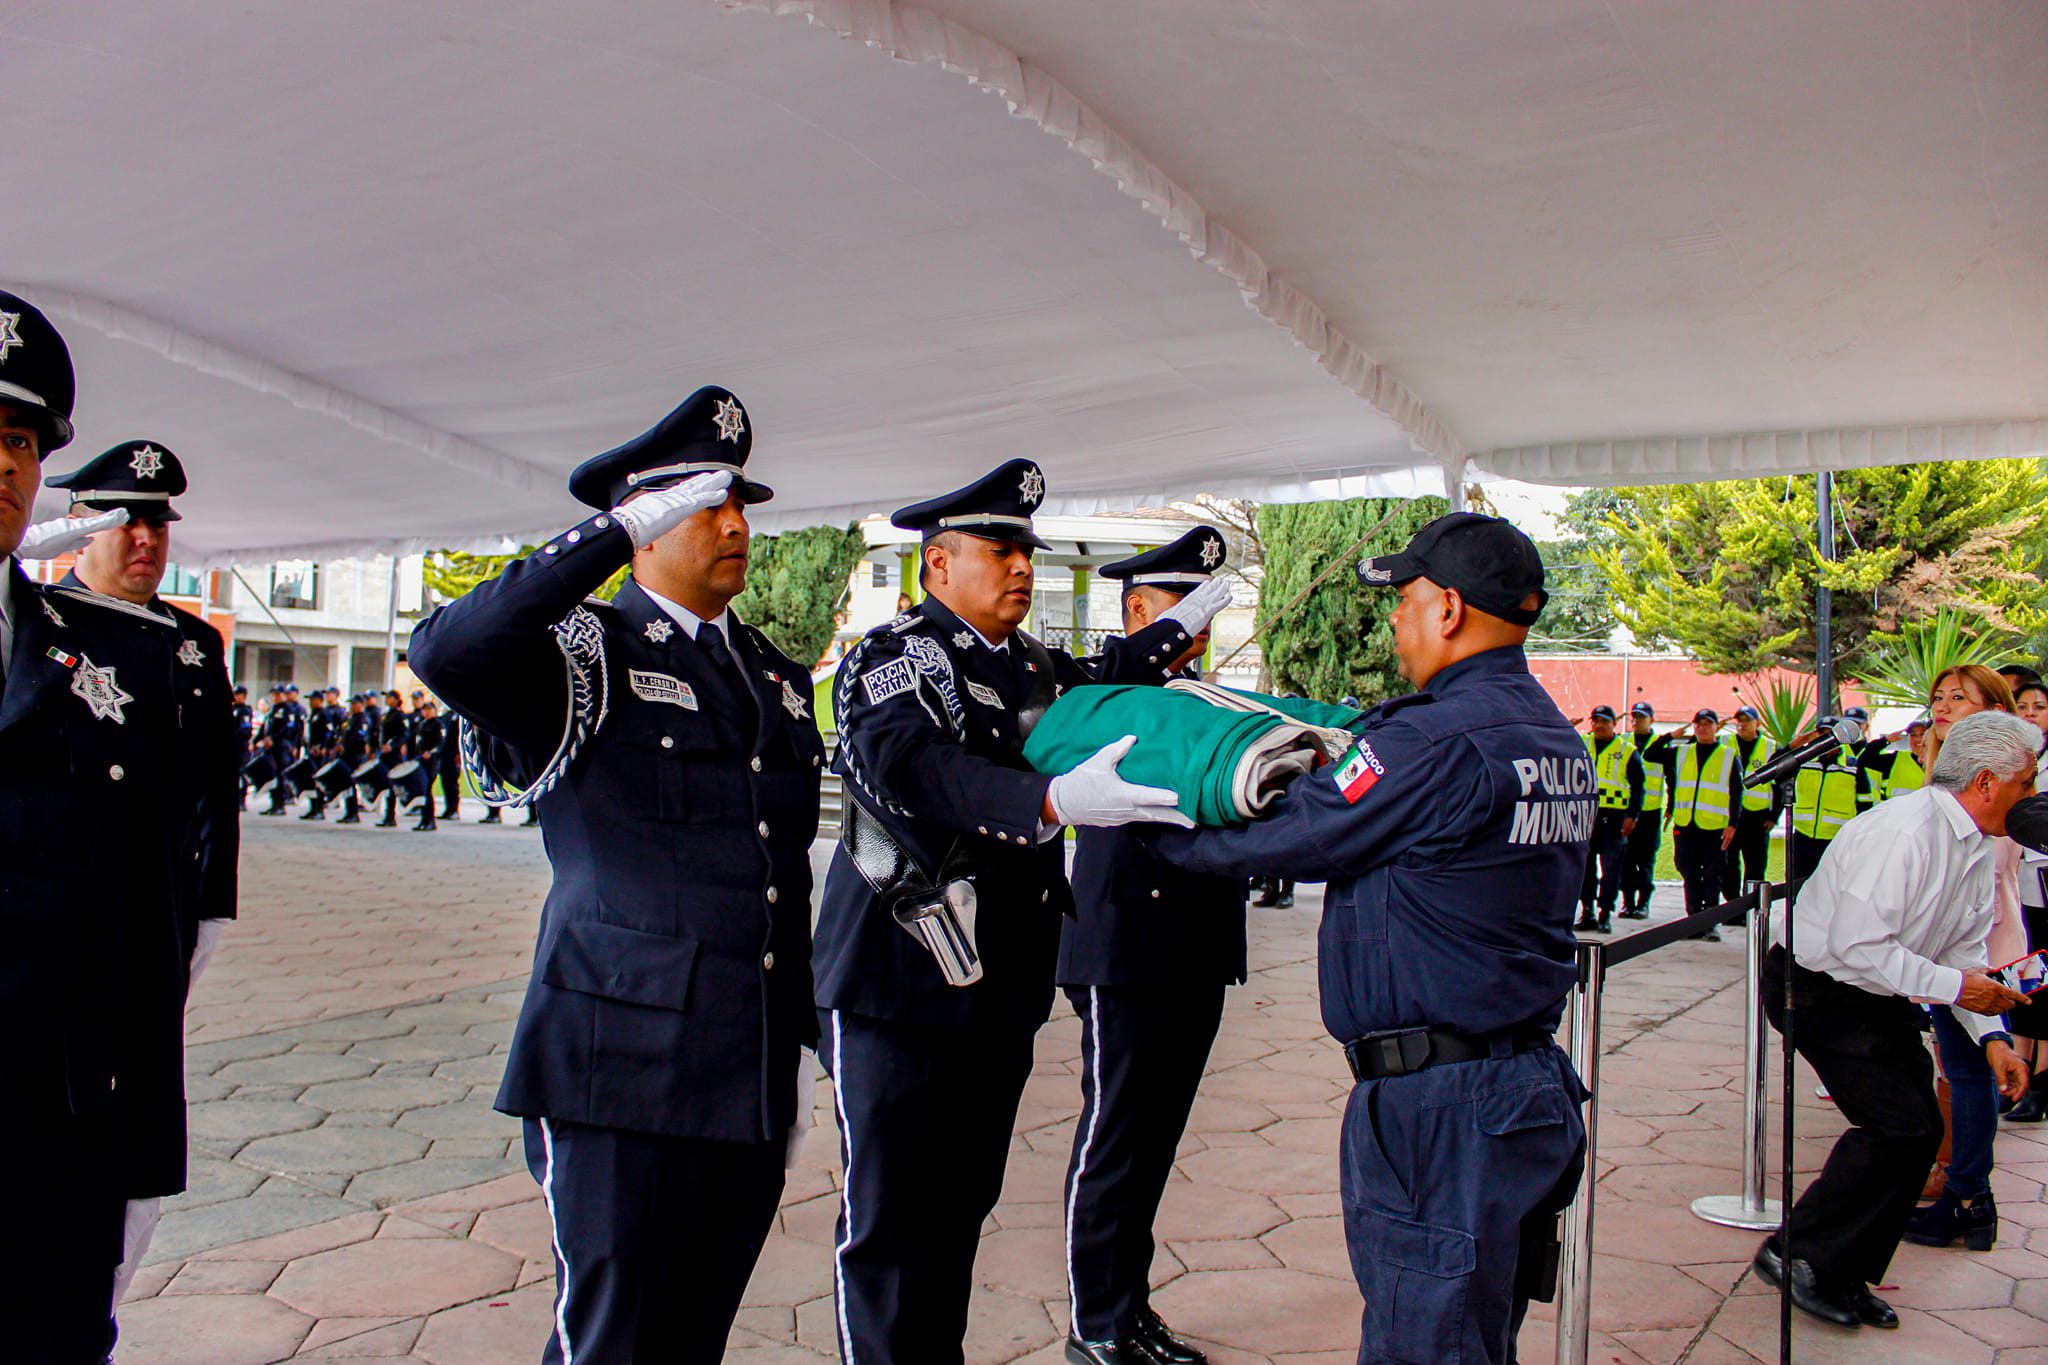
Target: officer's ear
(1450,611)
(935,556)
(1137,611)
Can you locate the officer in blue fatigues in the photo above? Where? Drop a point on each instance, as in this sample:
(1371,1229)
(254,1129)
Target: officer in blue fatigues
(1452,837)
(358,742)
(1144,961)
(656,1059)
(284,732)
(91,983)
(929,1006)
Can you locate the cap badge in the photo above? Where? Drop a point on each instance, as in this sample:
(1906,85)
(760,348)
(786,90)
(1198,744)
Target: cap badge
(1032,489)
(9,336)
(1212,550)
(659,631)
(148,462)
(189,655)
(1372,573)
(731,420)
(103,695)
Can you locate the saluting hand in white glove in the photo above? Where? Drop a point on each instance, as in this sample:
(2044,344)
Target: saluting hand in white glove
(649,516)
(1195,611)
(1093,794)
(48,539)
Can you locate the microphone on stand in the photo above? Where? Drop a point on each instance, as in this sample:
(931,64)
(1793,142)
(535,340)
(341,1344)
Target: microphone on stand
(1843,731)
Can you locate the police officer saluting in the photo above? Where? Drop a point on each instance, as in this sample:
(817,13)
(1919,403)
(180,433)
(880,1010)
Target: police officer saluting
(1619,771)
(1453,837)
(940,923)
(656,1058)
(1639,873)
(1748,856)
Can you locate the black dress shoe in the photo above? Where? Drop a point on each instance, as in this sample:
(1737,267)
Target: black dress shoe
(350,820)
(387,824)
(1870,1310)
(1285,901)
(2029,1110)
(1807,1295)
(1159,1339)
(1638,912)
(493,816)
(1585,923)
(1121,1351)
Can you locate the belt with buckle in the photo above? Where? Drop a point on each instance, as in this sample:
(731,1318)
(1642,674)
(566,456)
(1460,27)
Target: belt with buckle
(1401,1052)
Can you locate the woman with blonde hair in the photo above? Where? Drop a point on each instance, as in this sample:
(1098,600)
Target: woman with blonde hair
(1963,1205)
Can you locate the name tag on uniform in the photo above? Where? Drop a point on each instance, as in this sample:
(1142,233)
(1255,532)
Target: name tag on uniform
(661,687)
(985,695)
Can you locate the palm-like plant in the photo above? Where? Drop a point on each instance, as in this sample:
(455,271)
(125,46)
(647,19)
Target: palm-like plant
(1784,710)
(1900,669)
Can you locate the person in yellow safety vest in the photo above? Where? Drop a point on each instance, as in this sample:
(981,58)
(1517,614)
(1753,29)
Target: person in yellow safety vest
(1701,812)
(1888,771)
(1760,806)
(1827,793)
(1618,771)
(1639,873)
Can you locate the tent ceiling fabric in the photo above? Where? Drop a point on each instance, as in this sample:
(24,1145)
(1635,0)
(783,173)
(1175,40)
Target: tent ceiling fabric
(383,272)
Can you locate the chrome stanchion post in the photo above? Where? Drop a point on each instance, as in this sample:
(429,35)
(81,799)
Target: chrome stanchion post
(1751,1209)
(1575,1262)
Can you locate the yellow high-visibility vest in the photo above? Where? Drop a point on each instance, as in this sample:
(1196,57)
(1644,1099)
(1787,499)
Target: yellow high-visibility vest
(1905,775)
(1610,768)
(1653,774)
(1823,799)
(1759,798)
(1699,798)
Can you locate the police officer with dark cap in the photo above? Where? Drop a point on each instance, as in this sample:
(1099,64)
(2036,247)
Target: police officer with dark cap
(658,1055)
(1453,839)
(1144,961)
(394,746)
(429,737)
(939,929)
(358,742)
(323,737)
(1619,771)
(1759,807)
(284,734)
(1639,873)
(91,984)
(448,767)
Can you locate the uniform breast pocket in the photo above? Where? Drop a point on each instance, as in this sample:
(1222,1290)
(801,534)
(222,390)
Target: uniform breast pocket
(669,765)
(1358,912)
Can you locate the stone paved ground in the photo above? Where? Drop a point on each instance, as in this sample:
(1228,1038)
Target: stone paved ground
(354,1195)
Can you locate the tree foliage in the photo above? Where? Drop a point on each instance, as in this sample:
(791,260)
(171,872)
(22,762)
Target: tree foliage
(796,584)
(1579,618)
(1899,670)
(1337,642)
(1728,571)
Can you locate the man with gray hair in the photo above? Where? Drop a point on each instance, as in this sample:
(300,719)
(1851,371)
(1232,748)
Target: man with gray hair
(1897,912)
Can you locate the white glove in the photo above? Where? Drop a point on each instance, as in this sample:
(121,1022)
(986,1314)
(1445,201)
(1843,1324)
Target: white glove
(1093,794)
(48,539)
(649,516)
(806,1105)
(202,946)
(1194,612)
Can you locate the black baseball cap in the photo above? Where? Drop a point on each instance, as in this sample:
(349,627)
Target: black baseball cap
(1748,713)
(1487,560)
(1601,713)
(1643,708)
(1706,713)
(1855,713)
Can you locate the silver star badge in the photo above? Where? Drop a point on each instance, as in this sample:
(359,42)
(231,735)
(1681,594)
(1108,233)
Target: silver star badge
(9,336)
(96,686)
(148,462)
(792,703)
(963,640)
(49,610)
(659,631)
(731,419)
(189,655)
(1032,489)
(1212,550)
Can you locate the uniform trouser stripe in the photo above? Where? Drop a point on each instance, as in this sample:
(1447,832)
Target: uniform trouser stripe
(845,1187)
(1091,1103)
(547,1191)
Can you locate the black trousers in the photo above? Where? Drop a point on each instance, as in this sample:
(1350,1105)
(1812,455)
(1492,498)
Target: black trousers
(924,1134)
(1805,854)
(1142,1054)
(1639,878)
(1747,860)
(1606,862)
(60,1239)
(654,1238)
(1867,1051)
(1700,860)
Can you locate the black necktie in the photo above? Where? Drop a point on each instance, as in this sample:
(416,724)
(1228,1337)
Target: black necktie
(724,665)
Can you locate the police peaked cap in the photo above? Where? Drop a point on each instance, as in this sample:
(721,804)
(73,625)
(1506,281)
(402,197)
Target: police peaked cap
(35,369)
(1487,560)
(1179,567)
(141,476)
(708,433)
(996,506)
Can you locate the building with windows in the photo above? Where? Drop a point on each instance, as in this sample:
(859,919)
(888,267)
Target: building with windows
(342,623)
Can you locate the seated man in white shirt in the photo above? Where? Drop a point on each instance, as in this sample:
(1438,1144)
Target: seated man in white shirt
(1897,912)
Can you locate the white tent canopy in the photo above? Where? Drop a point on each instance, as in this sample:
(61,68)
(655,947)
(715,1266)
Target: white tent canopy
(382,271)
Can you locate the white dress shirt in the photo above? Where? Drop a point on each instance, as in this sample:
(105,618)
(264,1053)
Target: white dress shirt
(1901,903)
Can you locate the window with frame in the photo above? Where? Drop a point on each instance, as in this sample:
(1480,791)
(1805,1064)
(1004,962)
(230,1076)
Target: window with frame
(295,583)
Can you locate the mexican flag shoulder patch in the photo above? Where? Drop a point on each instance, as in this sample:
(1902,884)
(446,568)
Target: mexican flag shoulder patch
(1358,772)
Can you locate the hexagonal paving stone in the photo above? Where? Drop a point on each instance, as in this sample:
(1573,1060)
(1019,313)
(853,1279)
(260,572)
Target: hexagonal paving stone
(509,1327)
(465,1119)
(394,1277)
(421,1047)
(336,1150)
(1268,1312)
(295,1068)
(385,1092)
(210,1329)
(230,1123)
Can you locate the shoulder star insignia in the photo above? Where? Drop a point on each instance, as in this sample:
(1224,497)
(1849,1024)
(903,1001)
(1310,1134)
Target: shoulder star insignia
(189,655)
(963,640)
(148,462)
(9,337)
(731,420)
(96,686)
(1032,489)
(1212,550)
(659,631)
(49,610)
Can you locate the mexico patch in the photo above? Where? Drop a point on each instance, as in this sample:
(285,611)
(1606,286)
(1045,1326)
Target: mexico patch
(1358,772)
(661,687)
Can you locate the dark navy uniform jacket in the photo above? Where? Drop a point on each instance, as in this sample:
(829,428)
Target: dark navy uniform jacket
(92,982)
(1143,920)
(671,986)
(357,739)
(285,728)
(928,732)
(1453,837)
